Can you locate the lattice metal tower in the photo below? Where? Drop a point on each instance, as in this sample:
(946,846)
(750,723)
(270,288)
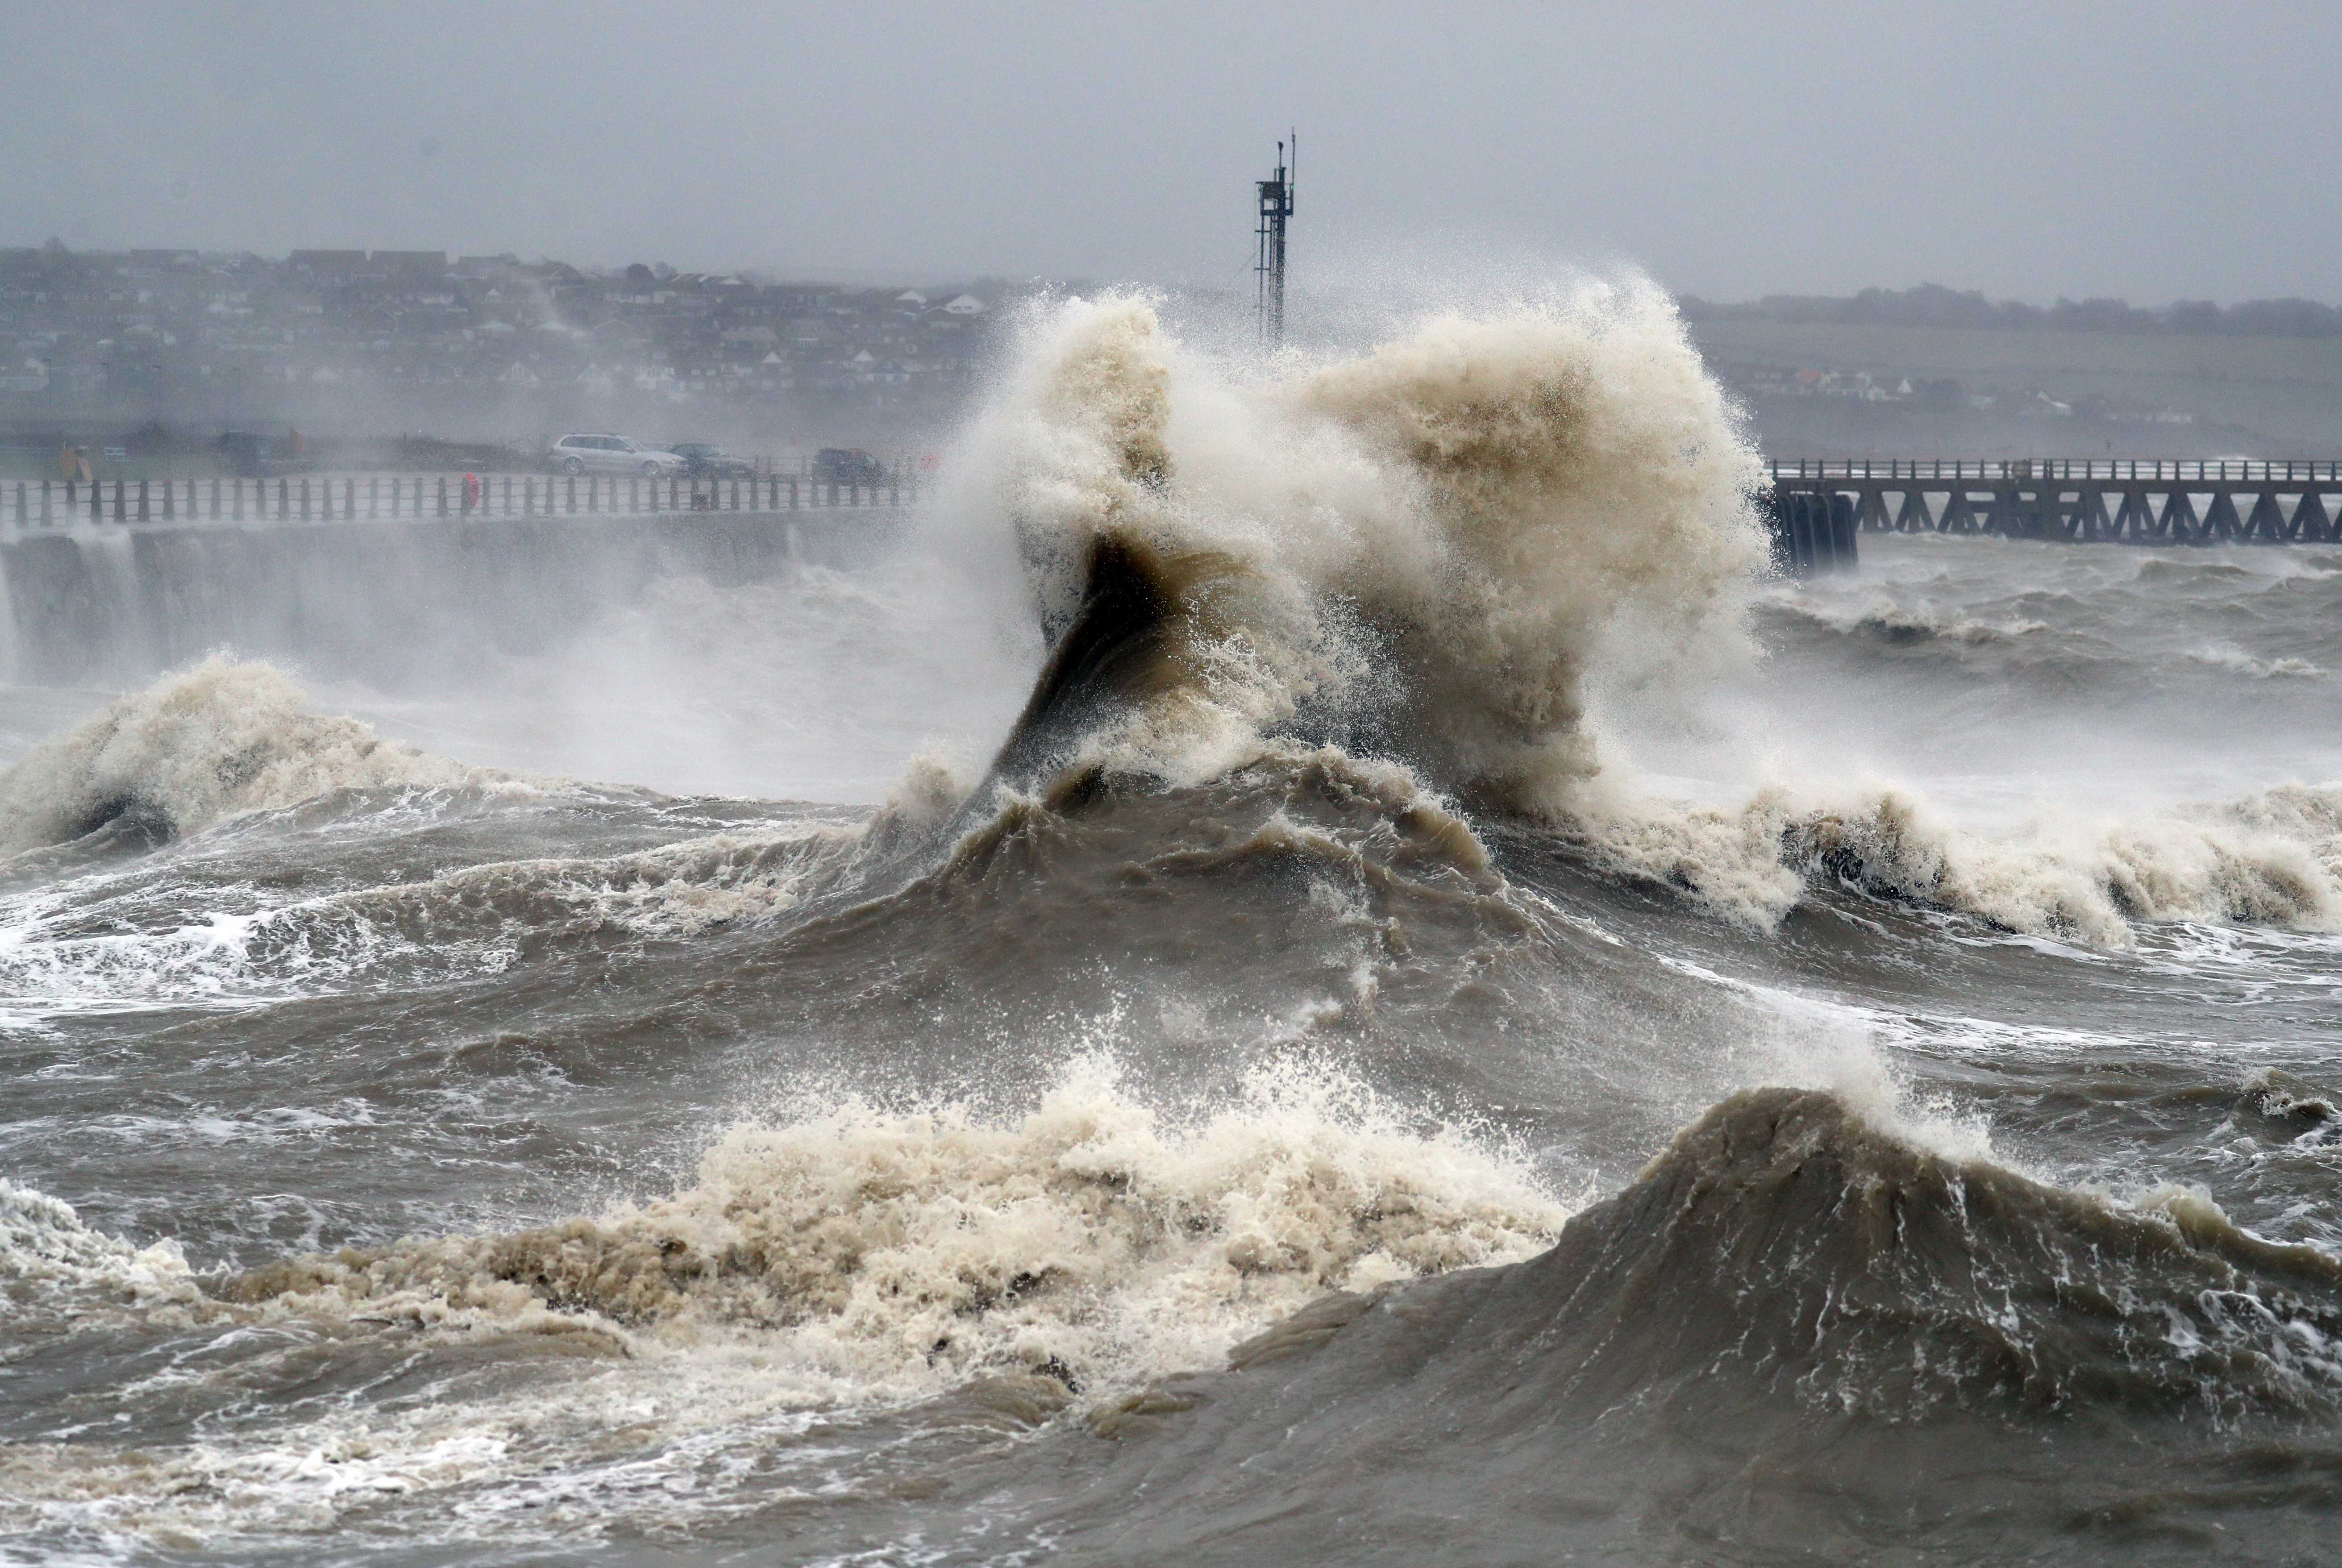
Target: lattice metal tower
(1268,269)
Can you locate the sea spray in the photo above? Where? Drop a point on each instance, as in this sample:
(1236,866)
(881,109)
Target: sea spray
(904,1251)
(226,736)
(1433,542)
(2272,858)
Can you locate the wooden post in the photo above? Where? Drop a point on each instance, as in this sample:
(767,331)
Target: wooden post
(142,515)
(47,516)
(24,507)
(443,495)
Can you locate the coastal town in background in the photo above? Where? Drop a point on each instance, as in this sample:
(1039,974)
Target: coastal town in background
(141,360)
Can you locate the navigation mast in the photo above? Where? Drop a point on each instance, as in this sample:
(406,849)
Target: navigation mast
(1268,268)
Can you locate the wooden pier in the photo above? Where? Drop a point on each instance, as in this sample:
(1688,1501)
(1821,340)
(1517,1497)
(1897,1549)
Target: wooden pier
(2083,500)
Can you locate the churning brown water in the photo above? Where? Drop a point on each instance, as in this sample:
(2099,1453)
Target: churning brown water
(1451,1022)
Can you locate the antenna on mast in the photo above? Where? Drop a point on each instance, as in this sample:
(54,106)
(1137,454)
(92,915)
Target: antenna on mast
(1268,268)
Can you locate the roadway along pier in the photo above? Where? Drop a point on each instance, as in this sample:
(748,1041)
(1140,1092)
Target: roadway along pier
(2082,500)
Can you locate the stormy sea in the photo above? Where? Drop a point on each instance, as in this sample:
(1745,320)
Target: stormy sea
(1314,963)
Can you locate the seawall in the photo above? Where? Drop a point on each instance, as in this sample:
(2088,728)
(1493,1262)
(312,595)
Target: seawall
(389,603)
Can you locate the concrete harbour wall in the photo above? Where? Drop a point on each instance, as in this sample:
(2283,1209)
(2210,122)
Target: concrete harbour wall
(389,603)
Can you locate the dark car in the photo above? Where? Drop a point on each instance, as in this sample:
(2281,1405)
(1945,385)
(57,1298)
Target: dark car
(249,455)
(703,460)
(846,465)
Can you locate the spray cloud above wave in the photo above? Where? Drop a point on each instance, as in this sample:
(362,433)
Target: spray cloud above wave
(1428,545)
(1427,552)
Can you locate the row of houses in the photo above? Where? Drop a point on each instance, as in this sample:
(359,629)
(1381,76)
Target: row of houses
(111,330)
(1782,385)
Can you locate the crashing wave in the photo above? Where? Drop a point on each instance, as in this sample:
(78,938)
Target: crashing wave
(1425,548)
(1791,1322)
(46,1252)
(223,738)
(1883,620)
(2271,859)
(1092,1237)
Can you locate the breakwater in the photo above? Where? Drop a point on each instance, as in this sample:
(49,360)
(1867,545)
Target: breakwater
(386,601)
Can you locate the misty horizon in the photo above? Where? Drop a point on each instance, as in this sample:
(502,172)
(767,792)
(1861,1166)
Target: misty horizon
(1813,149)
(2086,312)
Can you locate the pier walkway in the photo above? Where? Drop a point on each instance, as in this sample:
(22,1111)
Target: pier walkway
(2141,501)
(395,497)
(2135,501)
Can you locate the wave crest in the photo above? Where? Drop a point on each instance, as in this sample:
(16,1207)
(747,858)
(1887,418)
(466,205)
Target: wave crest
(223,738)
(1092,1237)
(2270,859)
(1428,544)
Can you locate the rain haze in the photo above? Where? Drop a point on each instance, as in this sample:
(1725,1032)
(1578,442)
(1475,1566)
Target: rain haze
(2149,150)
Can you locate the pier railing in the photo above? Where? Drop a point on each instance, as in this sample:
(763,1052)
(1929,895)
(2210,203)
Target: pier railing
(2140,501)
(2240,471)
(378,498)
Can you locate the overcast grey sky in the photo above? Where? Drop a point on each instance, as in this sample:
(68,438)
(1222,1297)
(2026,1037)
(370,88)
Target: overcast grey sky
(2150,150)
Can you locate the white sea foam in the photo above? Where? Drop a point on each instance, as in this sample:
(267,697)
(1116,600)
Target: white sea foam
(1884,618)
(222,738)
(897,1253)
(2228,656)
(844,1256)
(2272,858)
(47,1253)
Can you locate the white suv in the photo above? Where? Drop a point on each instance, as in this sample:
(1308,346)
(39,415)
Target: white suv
(610,454)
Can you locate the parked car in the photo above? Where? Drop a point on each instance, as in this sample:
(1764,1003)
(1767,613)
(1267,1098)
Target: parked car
(703,460)
(846,465)
(251,455)
(607,453)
